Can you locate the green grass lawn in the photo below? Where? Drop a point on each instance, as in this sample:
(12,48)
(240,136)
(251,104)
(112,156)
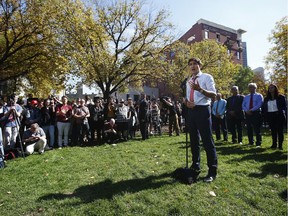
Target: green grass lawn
(134,178)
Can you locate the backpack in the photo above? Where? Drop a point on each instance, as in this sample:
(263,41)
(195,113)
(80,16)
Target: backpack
(11,154)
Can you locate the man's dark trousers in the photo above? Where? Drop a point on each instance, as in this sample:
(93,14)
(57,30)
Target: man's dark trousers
(254,122)
(234,123)
(199,121)
(221,123)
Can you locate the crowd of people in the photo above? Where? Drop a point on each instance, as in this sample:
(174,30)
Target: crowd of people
(52,123)
(45,124)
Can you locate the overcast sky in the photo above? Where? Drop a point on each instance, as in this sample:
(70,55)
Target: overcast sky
(257,17)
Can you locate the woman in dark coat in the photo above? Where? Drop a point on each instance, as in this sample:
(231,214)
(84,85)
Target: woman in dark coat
(274,109)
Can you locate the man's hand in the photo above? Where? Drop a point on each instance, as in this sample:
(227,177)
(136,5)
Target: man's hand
(196,86)
(190,104)
(249,112)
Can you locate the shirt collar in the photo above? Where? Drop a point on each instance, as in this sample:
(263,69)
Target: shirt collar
(198,74)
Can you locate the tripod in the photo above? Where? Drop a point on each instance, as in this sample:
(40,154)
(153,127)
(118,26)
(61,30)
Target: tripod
(18,131)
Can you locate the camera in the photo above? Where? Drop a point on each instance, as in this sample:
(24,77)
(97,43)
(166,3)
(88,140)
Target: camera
(164,105)
(163,98)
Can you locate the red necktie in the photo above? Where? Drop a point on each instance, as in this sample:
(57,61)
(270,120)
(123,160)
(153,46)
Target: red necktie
(251,102)
(192,90)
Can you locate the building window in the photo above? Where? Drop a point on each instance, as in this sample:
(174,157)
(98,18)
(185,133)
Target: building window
(206,34)
(218,37)
(238,55)
(238,43)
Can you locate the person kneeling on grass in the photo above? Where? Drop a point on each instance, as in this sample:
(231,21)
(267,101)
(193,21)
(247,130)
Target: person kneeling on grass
(34,139)
(110,131)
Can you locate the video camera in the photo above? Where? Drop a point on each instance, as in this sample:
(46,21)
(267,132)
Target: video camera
(164,105)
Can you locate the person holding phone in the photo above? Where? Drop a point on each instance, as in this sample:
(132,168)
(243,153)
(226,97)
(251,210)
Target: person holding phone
(34,139)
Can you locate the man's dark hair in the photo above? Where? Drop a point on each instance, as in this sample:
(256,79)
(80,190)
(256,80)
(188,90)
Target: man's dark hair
(197,60)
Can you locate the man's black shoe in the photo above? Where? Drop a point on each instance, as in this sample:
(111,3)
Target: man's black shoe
(209,179)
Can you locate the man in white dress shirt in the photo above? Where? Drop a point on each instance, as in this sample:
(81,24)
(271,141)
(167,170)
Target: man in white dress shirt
(200,88)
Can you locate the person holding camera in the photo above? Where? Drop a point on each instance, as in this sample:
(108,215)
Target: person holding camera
(12,113)
(34,139)
(200,88)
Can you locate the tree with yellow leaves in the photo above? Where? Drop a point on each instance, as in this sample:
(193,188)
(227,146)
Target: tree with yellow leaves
(215,61)
(277,58)
(113,48)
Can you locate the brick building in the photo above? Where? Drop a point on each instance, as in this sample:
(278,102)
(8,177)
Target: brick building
(232,38)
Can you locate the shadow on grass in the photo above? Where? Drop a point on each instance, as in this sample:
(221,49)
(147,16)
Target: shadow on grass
(278,170)
(107,189)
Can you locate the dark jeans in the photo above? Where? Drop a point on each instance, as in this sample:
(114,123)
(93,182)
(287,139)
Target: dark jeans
(144,129)
(221,123)
(173,124)
(122,129)
(199,120)
(234,124)
(97,126)
(254,123)
(79,131)
(276,123)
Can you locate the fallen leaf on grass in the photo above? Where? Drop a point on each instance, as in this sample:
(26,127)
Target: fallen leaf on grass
(276,176)
(46,161)
(212,193)
(1,204)
(8,192)
(92,177)
(226,190)
(40,210)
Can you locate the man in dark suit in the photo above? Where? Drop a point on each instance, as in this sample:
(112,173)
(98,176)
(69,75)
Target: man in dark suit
(235,114)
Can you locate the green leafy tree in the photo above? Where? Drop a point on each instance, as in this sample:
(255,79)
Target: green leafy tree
(215,61)
(117,45)
(243,78)
(30,48)
(276,60)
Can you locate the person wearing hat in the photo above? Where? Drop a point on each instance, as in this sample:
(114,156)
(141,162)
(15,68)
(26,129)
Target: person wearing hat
(200,88)
(33,114)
